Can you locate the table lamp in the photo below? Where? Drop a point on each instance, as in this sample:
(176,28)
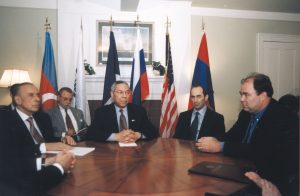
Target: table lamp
(13,76)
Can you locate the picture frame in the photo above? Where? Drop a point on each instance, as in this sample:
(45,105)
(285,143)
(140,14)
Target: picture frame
(125,37)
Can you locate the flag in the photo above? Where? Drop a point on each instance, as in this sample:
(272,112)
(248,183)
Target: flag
(79,83)
(112,72)
(139,80)
(48,84)
(169,113)
(202,75)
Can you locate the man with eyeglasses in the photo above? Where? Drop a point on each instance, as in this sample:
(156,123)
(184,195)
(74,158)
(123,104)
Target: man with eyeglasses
(67,122)
(265,133)
(121,121)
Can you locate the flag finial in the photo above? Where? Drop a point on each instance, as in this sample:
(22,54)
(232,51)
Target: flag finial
(168,24)
(203,25)
(137,21)
(47,25)
(111,22)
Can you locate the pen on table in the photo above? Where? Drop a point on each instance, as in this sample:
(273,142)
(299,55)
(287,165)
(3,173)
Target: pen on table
(80,131)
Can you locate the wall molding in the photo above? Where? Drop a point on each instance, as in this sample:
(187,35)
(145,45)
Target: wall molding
(245,14)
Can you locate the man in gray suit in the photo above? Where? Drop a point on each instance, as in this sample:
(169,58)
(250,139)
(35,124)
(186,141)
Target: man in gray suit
(67,120)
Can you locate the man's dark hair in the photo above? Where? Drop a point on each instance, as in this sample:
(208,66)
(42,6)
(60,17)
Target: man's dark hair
(67,89)
(290,102)
(13,89)
(198,85)
(261,83)
(16,88)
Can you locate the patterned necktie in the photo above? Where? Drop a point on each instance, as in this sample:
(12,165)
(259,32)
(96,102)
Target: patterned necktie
(194,127)
(123,123)
(249,131)
(69,121)
(38,138)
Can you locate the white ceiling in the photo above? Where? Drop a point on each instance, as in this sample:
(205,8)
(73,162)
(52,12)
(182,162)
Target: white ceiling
(287,6)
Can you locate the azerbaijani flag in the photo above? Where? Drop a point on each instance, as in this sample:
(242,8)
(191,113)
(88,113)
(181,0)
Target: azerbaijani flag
(48,84)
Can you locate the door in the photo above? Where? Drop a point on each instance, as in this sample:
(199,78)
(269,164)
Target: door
(279,58)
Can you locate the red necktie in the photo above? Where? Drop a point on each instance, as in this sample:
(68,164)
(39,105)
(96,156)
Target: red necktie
(69,121)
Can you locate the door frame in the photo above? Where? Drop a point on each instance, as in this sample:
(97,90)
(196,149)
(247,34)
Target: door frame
(269,37)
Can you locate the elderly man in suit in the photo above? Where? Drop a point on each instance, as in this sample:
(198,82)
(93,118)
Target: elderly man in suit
(67,120)
(23,165)
(199,121)
(121,121)
(265,133)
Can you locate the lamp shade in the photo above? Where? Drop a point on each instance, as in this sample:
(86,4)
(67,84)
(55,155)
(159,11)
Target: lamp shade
(13,76)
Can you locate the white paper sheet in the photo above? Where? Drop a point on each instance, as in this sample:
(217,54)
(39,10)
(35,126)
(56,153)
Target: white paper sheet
(78,151)
(132,144)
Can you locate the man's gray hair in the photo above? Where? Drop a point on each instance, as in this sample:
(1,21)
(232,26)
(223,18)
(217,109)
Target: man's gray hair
(113,86)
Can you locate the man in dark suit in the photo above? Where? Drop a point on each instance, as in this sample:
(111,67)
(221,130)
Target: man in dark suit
(121,121)
(67,120)
(208,122)
(265,132)
(23,132)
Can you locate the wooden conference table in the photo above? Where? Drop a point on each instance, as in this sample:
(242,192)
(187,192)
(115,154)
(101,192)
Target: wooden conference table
(154,168)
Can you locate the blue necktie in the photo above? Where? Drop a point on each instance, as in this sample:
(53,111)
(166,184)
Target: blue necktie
(194,127)
(249,131)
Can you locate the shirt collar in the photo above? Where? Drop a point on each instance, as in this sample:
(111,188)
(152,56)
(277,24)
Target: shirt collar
(23,116)
(118,108)
(259,114)
(201,111)
(62,109)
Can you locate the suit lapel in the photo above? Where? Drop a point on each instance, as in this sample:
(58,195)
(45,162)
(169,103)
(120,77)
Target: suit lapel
(204,123)
(21,130)
(114,114)
(188,121)
(77,117)
(60,118)
(131,119)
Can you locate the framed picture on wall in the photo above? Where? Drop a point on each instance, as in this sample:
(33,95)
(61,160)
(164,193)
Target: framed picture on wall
(125,37)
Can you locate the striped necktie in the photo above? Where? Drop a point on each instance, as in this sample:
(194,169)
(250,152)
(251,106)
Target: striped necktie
(123,123)
(38,138)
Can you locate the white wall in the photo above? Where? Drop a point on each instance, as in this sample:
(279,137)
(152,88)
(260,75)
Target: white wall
(232,54)
(231,37)
(70,13)
(22,41)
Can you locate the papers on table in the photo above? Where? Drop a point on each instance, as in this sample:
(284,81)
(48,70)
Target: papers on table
(78,151)
(132,144)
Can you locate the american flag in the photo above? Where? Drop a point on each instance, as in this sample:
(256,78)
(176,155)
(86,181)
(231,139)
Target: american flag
(169,113)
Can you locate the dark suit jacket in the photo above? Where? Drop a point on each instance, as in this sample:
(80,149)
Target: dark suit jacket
(274,146)
(18,154)
(105,122)
(212,125)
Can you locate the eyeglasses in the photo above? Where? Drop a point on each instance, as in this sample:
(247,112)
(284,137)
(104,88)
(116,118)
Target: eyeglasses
(123,92)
